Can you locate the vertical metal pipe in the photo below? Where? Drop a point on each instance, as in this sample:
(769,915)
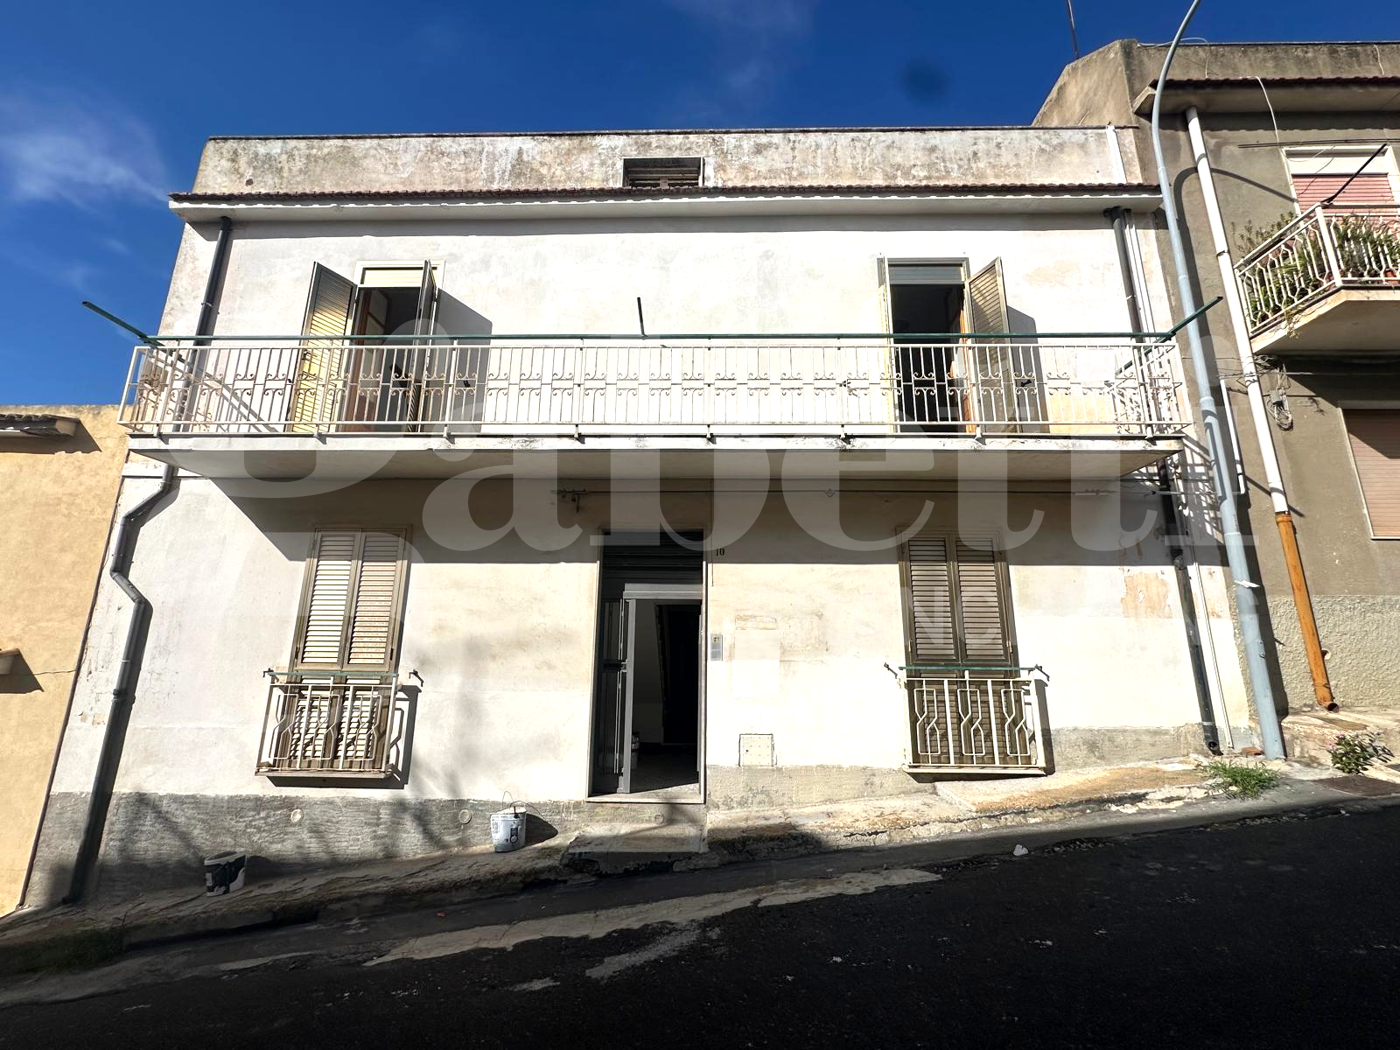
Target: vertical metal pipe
(1264,436)
(1209,700)
(123,545)
(1246,596)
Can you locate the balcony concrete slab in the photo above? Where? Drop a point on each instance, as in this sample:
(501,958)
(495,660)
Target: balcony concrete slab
(1349,321)
(359,456)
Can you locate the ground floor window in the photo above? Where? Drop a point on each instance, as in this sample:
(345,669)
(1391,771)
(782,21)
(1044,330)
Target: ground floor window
(336,710)
(970,705)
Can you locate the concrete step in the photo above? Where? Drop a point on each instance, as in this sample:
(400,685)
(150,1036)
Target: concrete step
(1306,735)
(609,849)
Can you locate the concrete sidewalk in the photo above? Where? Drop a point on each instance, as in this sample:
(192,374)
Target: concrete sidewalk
(73,937)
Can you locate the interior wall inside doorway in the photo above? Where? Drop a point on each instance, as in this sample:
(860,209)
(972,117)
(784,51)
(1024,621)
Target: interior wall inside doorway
(665,697)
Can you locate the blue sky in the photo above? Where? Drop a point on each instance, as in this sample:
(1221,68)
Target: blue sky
(104,107)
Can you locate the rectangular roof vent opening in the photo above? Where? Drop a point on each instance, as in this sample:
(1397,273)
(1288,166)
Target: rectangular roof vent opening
(661,173)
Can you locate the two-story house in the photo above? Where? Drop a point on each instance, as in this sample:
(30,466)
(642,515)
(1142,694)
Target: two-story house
(631,474)
(1285,159)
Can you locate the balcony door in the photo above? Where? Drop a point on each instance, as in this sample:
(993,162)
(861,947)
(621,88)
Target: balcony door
(368,381)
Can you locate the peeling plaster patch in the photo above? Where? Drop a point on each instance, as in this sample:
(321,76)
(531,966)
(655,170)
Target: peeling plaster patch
(1145,595)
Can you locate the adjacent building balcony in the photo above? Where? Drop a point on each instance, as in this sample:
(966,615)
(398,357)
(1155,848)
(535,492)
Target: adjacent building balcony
(1328,281)
(1119,403)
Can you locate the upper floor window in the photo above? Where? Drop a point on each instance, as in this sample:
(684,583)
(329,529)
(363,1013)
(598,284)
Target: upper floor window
(662,172)
(1354,175)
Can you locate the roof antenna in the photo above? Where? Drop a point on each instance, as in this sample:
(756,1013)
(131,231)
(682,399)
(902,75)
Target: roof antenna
(1073,35)
(641,321)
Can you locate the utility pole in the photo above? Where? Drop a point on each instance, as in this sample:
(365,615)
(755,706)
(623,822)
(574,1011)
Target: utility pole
(1246,590)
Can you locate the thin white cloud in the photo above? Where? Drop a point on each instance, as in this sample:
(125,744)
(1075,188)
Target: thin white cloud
(757,41)
(754,16)
(58,145)
(79,276)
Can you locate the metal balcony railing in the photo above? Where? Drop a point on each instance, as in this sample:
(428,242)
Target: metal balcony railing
(337,725)
(582,386)
(1329,247)
(983,719)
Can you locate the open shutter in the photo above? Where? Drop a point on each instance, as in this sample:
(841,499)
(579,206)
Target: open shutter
(1375,446)
(322,365)
(982,604)
(988,363)
(932,633)
(427,302)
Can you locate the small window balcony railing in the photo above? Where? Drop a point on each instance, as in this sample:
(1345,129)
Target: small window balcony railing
(333,726)
(1328,249)
(708,386)
(974,719)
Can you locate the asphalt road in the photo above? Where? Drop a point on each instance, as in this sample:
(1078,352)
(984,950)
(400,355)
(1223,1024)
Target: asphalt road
(1270,933)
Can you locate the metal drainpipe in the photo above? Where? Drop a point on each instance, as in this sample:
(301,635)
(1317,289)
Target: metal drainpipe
(123,545)
(1273,473)
(1211,705)
(1246,597)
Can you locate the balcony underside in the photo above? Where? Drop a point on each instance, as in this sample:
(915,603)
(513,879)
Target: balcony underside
(1349,320)
(419,456)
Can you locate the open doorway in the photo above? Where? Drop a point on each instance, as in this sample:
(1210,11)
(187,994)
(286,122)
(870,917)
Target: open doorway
(648,688)
(926,298)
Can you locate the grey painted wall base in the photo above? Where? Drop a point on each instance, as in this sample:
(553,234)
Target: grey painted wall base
(1359,631)
(160,841)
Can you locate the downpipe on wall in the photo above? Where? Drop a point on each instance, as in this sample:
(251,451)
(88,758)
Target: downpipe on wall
(1245,589)
(1264,435)
(123,690)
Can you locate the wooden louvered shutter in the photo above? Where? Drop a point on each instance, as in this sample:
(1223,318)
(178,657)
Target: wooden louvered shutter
(932,633)
(990,366)
(982,604)
(350,607)
(1375,446)
(373,626)
(958,608)
(322,366)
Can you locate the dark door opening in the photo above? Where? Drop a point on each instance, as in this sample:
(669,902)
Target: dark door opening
(928,395)
(647,693)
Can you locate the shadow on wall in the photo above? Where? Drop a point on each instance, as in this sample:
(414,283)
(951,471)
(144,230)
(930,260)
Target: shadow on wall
(155,842)
(20,679)
(80,441)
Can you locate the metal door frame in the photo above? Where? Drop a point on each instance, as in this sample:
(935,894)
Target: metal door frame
(631,593)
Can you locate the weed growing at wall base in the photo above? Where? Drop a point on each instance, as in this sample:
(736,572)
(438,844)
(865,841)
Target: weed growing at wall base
(1244,781)
(1354,752)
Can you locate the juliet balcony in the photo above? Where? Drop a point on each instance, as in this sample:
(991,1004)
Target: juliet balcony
(264,405)
(1327,281)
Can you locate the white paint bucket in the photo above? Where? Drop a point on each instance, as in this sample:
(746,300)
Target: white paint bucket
(507,830)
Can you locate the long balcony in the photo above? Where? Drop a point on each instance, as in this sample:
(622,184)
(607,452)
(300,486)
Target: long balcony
(267,397)
(1328,281)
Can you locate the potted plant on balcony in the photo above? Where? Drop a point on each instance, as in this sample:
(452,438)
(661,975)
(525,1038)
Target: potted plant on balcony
(1287,274)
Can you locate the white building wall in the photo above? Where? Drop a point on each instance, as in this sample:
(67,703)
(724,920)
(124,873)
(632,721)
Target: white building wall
(504,639)
(726,274)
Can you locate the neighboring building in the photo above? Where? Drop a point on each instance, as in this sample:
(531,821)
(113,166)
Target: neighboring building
(60,467)
(1301,140)
(346,660)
